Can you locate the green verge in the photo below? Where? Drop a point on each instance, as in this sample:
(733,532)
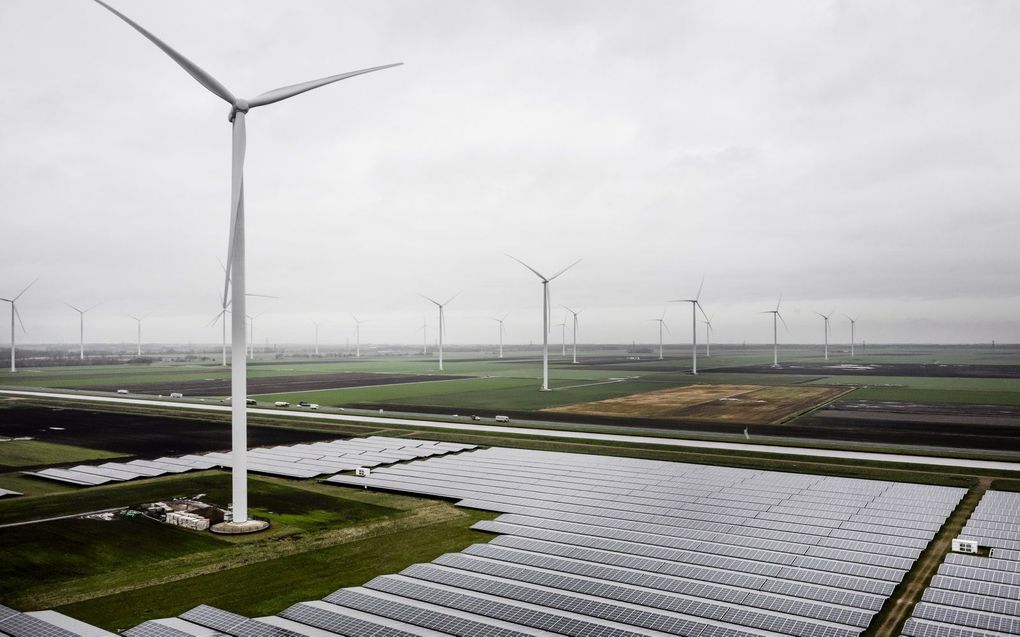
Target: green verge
(271,586)
(26,453)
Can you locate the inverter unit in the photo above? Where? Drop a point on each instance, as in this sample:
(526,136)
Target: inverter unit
(363,472)
(961,545)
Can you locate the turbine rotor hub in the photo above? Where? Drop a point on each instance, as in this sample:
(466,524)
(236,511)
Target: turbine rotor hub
(240,105)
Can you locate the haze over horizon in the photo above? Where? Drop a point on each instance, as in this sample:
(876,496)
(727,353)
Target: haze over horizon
(856,157)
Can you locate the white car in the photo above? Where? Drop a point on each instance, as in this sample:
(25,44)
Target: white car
(122,391)
(282,403)
(176,394)
(502,418)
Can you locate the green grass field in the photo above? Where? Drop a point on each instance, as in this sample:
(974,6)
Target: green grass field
(26,453)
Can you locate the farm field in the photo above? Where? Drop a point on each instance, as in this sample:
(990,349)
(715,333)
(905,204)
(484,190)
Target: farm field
(748,404)
(29,453)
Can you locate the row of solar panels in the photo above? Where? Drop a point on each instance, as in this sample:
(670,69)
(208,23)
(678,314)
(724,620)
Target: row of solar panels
(296,461)
(45,623)
(597,540)
(974,595)
(7,492)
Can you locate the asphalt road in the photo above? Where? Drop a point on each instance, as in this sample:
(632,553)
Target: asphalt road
(991,465)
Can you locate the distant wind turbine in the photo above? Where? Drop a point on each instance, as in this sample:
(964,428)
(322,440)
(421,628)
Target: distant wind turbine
(563,336)
(425,337)
(853,324)
(251,335)
(15,313)
(81,326)
(316,337)
(825,318)
(662,324)
(357,336)
(775,331)
(708,337)
(239,107)
(501,330)
(574,329)
(442,322)
(545,316)
(695,308)
(139,319)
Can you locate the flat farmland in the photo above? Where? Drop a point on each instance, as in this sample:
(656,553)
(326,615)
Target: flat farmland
(922,370)
(135,435)
(748,404)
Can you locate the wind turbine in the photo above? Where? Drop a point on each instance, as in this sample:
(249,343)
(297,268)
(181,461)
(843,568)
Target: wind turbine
(442,322)
(825,317)
(575,329)
(775,331)
(251,336)
(708,337)
(316,337)
(239,108)
(545,316)
(563,335)
(81,326)
(662,324)
(357,336)
(139,320)
(501,330)
(695,307)
(222,315)
(853,324)
(14,312)
(424,337)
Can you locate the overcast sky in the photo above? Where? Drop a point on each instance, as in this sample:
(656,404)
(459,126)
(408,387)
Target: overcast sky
(852,156)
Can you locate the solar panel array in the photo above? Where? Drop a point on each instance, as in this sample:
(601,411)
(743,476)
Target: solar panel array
(46,623)
(7,492)
(296,461)
(974,595)
(617,546)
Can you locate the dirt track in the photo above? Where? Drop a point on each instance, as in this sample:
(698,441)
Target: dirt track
(270,385)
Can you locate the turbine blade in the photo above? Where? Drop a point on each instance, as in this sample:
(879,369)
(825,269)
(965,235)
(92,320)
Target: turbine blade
(92,308)
(71,306)
(783,321)
(504,316)
(263,296)
(701,309)
(215,319)
(206,80)
(23,291)
(700,287)
(447,301)
(285,92)
(236,192)
(428,299)
(540,275)
(779,302)
(14,308)
(565,269)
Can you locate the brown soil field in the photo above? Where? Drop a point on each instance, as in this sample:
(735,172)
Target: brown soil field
(750,404)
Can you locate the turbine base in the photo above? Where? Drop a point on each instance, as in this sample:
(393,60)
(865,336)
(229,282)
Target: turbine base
(240,528)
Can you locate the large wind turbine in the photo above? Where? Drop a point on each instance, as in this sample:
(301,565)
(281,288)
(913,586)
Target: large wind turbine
(239,107)
(695,308)
(139,319)
(357,336)
(442,322)
(316,337)
(853,324)
(501,330)
(825,318)
(545,316)
(81,326)
(14,312)
(775,331)
(574,314)
(662,324)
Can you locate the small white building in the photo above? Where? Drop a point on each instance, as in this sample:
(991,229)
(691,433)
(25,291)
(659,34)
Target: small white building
(963,545)
(187,520)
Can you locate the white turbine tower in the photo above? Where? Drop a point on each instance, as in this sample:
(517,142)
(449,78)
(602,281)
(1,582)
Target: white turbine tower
(501,330)
(574,314)
(825,318)
(545,316)
(442,322)
(81,327)
(14,313)
(316,337)
(563,336)
(357,336)
(662,324)
(695,308)
(222,315)
(251,337)
(239,108)
(853,324)
(139,319)
(424,337)
(775,331)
